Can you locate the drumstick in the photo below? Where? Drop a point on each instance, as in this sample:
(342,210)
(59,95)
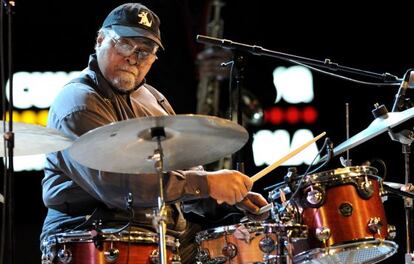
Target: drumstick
(277,163)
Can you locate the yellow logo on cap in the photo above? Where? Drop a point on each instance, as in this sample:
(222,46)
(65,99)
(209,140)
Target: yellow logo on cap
(144,19)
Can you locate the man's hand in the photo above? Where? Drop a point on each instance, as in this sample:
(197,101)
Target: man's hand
(228,186)
(251,205)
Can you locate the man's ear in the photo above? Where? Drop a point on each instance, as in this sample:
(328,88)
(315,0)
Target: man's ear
(99,40)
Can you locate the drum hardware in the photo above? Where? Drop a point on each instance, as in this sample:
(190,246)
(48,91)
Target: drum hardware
(64,255)
(267,244)
(392,232)
(323,233)
(111,255)
(366,189)
(374,225)
(405,137)
(315,197)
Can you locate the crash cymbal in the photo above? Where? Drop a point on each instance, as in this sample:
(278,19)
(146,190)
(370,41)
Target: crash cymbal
(125,146)
(32,139)
(378,126)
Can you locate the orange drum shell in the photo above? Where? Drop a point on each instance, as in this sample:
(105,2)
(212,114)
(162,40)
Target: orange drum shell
(87,253)
(345,228)
(246,252)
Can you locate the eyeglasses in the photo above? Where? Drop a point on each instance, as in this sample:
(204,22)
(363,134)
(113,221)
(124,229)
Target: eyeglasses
(127,49)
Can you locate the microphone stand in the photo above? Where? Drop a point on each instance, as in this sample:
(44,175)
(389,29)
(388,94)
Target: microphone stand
(327,64)
(239,70)
(7,249)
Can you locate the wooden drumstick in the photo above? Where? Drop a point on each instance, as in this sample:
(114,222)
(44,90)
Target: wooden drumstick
(277,163)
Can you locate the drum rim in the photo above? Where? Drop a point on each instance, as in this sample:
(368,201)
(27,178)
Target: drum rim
(341,174)
(254,226)
(132,236)
(317,253)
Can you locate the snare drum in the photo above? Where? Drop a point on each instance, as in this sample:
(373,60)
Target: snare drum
(345,217)
(253,242)
(86,247)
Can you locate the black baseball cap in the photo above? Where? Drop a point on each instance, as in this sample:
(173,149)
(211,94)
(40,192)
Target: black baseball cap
(134,20)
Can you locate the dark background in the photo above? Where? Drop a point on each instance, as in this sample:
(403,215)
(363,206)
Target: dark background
(59,36)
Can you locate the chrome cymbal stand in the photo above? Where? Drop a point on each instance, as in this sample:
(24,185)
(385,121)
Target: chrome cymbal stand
(7,241)
(405,137)
(159,221)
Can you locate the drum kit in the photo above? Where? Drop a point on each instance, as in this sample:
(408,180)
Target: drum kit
(335,216)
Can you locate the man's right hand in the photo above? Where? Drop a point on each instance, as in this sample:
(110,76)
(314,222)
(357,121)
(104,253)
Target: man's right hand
(228,186)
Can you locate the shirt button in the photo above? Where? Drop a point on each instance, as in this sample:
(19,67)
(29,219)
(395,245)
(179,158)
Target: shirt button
(197,191)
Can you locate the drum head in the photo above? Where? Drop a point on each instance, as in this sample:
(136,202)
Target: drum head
(367,252)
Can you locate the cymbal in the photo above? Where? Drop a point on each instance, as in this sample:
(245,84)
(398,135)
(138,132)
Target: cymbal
(126,146)
(378,126)
(32,139)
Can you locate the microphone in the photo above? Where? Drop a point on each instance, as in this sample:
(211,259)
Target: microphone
(407,82)
(224,43)
(228,44)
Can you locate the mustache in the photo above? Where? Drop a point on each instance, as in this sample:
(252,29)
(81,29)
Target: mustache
(132,70)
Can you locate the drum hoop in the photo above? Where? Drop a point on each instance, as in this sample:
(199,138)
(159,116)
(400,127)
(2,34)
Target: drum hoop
(371,243)
(253,227)
(217,232)
(340,175)
(123,236)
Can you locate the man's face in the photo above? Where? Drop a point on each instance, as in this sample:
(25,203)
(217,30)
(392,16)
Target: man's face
(125,62)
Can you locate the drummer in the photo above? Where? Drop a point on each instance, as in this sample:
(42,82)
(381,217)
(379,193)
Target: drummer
(112,88)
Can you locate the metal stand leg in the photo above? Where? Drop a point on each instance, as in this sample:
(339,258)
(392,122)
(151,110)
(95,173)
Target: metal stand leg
(158,133)
(408,206)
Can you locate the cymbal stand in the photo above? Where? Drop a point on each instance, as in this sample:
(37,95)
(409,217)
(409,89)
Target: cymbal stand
(405,137)
(158,134)
(7,250)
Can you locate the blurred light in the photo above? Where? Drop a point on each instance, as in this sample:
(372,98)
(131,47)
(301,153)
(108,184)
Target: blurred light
(292,115)
(309,115)
(269,147)
(33,90)
(293,84)
(37,89)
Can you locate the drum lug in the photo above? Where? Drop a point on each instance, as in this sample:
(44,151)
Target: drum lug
(366,188)
(154,257)
(229,250)
(323,233)
(203,255)
(64,255)
(267,244)
(392,232)
(47,258)
(375,225)
(315,197)
(111,255)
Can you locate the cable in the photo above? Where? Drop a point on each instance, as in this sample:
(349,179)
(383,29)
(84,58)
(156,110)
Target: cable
(307,172)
